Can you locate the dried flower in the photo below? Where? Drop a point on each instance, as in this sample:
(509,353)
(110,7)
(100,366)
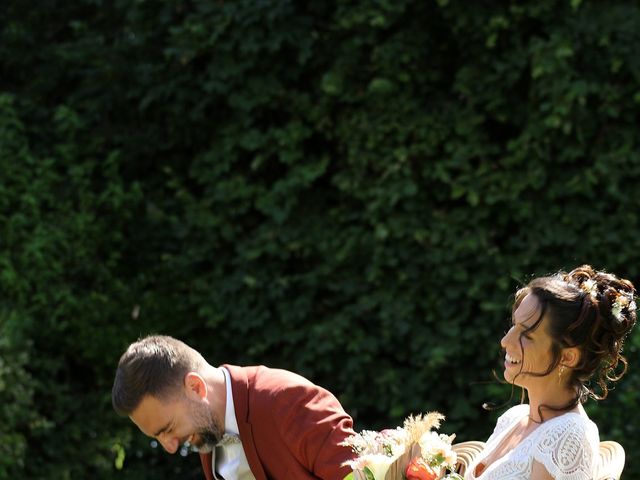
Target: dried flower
(418,425)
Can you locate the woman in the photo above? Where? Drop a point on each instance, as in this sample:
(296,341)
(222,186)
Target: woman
(566,337)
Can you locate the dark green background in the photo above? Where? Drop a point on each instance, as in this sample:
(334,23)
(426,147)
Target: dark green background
(351,190)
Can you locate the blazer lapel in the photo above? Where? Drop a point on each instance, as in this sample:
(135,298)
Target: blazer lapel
(240,390)
(207,461)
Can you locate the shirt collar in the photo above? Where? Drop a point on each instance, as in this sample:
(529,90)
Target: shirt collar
(230,421)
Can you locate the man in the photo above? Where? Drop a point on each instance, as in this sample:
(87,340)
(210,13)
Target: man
(246,422)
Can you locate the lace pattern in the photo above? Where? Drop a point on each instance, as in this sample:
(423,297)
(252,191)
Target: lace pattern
(566,445)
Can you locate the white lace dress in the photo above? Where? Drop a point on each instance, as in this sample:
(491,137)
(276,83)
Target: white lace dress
(566,445)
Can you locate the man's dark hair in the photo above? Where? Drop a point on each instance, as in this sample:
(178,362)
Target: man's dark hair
(155,365)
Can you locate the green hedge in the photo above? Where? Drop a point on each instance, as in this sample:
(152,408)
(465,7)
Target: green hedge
(351,190)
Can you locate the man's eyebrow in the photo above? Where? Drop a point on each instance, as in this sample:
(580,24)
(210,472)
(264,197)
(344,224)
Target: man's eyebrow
(163,429)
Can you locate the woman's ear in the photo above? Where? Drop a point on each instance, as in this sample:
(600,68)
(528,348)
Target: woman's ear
(570,357)
(195,385)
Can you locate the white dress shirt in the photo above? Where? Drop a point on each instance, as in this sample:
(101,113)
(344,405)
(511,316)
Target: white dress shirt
(229,461)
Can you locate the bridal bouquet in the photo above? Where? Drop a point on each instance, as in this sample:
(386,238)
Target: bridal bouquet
(411,452)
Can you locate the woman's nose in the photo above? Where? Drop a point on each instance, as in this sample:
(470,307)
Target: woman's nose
(505,339)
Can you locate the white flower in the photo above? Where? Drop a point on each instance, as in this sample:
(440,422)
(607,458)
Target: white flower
(591,287)
(377,463)
(437,447)
(623,300)
(369,442)
(616,310)
(393,442)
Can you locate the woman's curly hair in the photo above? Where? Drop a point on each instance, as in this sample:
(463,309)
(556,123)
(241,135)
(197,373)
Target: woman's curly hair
(593,311)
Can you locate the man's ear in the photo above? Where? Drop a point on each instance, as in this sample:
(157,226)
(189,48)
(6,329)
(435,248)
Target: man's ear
(570,357)
(195,386)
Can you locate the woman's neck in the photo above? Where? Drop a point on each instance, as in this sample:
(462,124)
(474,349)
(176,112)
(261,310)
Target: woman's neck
(543,405)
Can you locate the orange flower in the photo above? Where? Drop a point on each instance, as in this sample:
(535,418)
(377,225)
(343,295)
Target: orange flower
(418,469)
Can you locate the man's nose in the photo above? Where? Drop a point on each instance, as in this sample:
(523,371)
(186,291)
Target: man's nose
(169,444)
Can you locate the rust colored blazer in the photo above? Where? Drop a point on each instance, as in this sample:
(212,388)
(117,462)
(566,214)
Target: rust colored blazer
(289,427)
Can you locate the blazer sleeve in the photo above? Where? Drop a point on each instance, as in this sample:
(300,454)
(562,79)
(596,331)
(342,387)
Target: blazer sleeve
(313,424)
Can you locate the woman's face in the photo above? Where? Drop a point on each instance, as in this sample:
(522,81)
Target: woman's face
(528,352)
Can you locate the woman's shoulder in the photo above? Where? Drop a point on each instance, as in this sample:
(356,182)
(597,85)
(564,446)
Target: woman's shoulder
(574,423)
(570,431)
(567,443)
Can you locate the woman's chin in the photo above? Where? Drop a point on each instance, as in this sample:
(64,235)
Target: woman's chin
(509,378)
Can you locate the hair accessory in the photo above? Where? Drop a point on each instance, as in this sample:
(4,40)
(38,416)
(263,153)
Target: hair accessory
(623,300)
(590,287)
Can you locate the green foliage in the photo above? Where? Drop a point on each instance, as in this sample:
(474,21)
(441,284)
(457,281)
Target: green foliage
(17,409)
(351,190)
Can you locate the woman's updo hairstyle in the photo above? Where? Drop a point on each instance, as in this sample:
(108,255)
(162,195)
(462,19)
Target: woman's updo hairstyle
(593,311)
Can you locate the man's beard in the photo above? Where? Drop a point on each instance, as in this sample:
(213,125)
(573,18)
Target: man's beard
(207,441)
(208,428)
